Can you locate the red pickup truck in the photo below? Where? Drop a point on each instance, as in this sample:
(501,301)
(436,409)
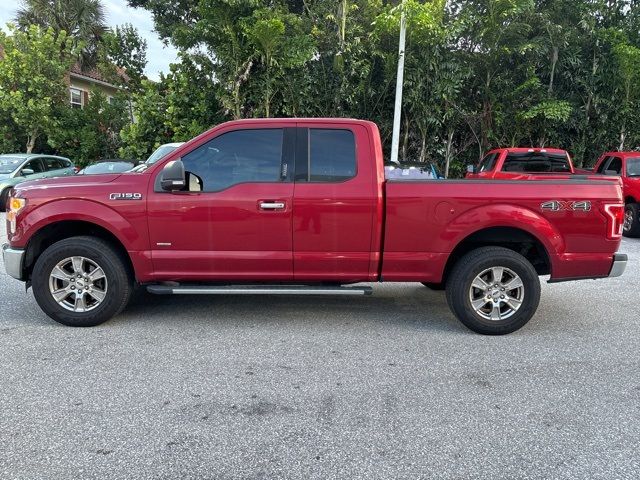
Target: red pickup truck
(627,166)
(302,206)
(523,164)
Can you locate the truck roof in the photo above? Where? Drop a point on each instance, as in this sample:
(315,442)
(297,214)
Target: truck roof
(529,149)
(622,154)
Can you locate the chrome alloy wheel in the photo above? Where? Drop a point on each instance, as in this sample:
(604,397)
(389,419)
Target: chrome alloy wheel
(78,284)
(628,219)
(496,293)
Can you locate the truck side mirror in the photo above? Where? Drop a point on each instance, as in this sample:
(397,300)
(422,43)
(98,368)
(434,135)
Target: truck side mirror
(471,169)
(172,177)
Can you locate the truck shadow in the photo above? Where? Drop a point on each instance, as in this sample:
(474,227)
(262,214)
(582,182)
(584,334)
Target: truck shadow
(410,306)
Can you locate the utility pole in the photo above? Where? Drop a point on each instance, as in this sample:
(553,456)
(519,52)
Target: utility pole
(397,111)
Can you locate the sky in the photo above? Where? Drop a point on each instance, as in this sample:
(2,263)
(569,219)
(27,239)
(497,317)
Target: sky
(118,12)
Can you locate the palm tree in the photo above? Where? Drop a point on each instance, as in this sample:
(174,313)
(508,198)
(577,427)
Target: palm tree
(83,20)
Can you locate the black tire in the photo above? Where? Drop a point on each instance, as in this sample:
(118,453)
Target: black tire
(4,196)
(459,284)
(632,228)
(116,272)
(434,286)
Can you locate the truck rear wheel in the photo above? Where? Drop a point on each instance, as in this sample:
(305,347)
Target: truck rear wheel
(631,227)
(81,281)
(493,290)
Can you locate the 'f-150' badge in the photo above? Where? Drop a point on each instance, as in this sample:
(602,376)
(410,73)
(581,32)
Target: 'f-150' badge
(559,206)
(125,196)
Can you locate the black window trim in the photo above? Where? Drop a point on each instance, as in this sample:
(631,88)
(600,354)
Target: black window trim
(288,145)
(303,155)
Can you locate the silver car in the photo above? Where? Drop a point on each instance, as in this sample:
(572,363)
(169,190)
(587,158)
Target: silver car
(19,167)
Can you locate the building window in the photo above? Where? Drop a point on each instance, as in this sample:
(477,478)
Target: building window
(76,97)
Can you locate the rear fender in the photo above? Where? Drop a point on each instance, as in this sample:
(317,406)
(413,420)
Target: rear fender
(503,215)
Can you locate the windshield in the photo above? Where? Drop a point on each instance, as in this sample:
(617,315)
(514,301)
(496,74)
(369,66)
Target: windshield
(633,167)
(9,164)
(159,153)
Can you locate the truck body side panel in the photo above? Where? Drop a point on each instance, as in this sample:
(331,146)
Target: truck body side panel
(426,220)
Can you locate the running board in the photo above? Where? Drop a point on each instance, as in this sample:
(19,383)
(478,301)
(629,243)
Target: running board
(256,290)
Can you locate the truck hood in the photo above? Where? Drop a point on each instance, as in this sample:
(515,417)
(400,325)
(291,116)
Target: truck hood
(70,182)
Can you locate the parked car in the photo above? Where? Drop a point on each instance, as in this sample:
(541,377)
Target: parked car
(627,166)
(302,206)
(114,165)
(415,170)
(522,163)
(20,167)
(158,154)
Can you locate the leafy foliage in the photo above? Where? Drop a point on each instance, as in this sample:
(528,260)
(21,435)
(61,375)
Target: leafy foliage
(32,80)
(478,73)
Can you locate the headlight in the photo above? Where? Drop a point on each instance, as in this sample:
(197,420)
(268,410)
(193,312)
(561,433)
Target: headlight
(15,205)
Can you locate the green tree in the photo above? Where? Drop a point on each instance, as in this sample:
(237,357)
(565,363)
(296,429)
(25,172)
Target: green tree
(93,132)
(32,73)
(149,130)
(123,50)
(83,22)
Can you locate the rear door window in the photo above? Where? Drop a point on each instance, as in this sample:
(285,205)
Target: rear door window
(537,162)
(326,155)
(52,164)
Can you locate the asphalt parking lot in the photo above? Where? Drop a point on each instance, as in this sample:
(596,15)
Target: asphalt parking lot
(390,386)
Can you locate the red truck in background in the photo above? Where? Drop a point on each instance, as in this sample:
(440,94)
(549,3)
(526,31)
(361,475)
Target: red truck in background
(302,206)
(625,165)
(523,164)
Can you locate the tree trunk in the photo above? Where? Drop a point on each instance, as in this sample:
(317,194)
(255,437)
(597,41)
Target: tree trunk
(31,141)
(423,147)
(447,155)
(405,139)
(554,61)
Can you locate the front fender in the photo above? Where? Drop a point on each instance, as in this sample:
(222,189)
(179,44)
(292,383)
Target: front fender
(78,210)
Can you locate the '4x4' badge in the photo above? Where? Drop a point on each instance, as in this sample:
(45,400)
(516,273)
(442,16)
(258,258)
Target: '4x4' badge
(560,206)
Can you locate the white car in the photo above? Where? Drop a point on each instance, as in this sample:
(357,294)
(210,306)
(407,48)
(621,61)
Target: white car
(158,154)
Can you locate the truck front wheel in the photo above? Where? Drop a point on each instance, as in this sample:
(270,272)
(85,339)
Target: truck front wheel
(631,227)
(493,290)
(4,197)
(81,281)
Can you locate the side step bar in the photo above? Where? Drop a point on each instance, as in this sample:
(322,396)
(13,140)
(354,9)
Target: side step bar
(256,290)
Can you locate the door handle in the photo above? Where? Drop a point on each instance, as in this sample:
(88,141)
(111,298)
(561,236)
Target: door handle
(272,205)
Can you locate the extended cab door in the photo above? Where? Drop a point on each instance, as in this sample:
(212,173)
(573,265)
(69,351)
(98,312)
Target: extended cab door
(335,201)
(233,221)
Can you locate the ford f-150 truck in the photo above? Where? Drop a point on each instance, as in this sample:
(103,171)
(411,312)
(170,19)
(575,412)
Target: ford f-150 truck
(302,206)
(523,164)
(626,165)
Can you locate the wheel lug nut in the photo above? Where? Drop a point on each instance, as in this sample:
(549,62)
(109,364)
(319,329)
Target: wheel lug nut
(501,296)
(73,287)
